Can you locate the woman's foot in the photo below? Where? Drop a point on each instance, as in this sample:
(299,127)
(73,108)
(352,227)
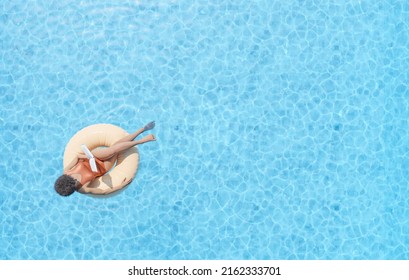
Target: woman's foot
(149,126)
(151,137)
(147,138)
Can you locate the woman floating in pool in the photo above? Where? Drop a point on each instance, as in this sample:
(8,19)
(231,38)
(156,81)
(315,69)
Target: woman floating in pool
(82,170)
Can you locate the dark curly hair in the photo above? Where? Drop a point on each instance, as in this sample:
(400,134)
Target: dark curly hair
(65,185)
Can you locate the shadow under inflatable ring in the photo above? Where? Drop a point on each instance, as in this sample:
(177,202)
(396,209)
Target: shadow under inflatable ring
(104,135)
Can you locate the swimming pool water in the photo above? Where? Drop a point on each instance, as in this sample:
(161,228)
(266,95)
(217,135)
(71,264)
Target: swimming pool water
(282,128)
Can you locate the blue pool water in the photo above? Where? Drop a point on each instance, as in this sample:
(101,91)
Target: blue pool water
(282,128)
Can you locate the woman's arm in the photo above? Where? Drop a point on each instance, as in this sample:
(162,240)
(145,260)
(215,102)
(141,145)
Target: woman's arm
(81,155)
(74,161)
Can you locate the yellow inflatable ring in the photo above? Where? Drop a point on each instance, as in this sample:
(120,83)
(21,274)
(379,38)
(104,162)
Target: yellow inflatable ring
(104,135)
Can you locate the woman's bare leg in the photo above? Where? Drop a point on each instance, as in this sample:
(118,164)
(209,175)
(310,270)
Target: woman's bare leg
(107,153)
(132,136)
(108,163)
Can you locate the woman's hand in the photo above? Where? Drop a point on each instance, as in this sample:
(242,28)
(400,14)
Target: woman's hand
(81,156)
